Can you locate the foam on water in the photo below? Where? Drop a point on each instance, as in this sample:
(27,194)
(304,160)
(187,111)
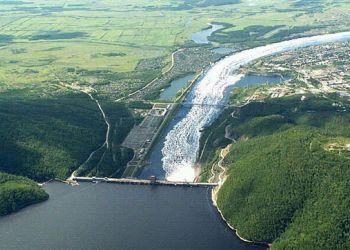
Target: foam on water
(182,142)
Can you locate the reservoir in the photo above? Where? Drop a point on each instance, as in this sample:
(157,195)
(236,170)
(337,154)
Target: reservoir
(249,80)
(112,216)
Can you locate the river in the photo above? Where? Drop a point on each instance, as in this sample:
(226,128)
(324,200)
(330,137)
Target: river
(175,86)
(201,37)
(155,166)
(181,145)
(112,216)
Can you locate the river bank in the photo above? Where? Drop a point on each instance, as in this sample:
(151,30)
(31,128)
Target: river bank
(261,177)
(222,176)
(201,101)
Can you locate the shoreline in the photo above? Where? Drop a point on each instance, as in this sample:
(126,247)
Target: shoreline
(214,197)
(214,192)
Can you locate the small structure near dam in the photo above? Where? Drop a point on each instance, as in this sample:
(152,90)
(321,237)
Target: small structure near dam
(151,181)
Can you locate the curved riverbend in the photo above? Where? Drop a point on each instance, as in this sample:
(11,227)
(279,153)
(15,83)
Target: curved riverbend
(201,37)
(182,142)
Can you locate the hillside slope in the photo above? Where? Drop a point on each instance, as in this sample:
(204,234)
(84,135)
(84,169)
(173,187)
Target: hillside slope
(49,137)
(288,179)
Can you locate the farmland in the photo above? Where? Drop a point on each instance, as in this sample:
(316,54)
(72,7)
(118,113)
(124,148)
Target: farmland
(43,38)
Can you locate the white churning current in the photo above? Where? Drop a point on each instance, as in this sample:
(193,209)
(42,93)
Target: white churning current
(182,142)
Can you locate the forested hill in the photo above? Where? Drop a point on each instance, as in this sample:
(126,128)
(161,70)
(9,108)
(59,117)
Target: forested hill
(49,136)
(45,138)
(17,192)
(288,177)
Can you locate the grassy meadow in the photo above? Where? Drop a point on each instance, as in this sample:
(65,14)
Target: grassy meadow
(40,38)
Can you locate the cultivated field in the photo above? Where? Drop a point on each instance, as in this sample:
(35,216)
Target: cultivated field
(41,39)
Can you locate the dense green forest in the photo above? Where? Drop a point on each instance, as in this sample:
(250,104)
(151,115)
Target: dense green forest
(50,136)
(288,172)
(44,138)
(17,192)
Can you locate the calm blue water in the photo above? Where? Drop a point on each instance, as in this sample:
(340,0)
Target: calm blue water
(175,86)
(201,37)
(249,80)
(112,216)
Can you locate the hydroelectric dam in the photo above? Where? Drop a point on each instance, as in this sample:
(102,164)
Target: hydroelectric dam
(151,181)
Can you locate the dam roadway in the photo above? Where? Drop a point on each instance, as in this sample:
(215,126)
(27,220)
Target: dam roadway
(144,182)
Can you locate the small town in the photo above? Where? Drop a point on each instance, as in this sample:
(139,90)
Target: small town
(317,69)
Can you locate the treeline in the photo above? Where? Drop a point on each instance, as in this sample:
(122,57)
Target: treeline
(259,35)
(288,172)
(17,192)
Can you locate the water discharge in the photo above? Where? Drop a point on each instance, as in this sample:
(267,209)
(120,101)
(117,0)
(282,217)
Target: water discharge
(182,142)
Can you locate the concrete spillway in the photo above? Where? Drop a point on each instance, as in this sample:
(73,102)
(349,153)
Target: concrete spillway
(182,142)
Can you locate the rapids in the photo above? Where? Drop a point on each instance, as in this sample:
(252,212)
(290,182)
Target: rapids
(209,94)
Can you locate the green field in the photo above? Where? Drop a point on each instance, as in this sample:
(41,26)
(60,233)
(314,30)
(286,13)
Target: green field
(41,38)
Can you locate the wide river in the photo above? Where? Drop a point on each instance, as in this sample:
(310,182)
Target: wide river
(181,145)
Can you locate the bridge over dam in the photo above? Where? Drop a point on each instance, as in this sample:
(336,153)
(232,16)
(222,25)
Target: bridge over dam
(144,182)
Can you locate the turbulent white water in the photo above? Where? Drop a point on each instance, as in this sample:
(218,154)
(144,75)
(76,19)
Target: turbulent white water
(182,142)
